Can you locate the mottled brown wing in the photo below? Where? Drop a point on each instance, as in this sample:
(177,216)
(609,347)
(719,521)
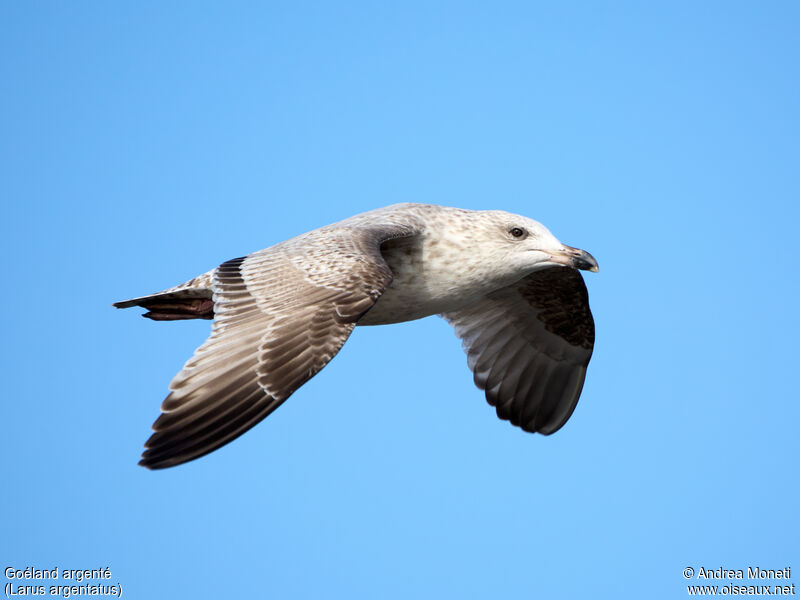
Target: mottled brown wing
(528,346)
(279,316)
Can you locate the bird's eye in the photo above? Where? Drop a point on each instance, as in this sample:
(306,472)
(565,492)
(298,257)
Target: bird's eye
(518,232)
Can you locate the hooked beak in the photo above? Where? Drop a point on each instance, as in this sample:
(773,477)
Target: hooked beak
(575,258)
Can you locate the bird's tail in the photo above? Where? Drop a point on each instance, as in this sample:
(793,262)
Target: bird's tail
(191,300)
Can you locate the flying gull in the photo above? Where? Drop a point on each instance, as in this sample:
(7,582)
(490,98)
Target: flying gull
(510,289)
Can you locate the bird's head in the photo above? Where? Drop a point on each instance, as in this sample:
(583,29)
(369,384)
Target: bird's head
(528,246)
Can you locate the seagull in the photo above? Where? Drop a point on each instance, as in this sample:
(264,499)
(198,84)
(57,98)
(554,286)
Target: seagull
(512,292)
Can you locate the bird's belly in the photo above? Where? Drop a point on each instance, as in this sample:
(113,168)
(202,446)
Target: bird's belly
(400,303)
(394,307)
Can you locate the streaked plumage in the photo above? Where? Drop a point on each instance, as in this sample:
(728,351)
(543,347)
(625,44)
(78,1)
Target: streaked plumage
(282,313)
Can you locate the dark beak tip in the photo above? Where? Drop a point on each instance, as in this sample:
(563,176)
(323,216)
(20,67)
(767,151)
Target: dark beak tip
(586,262)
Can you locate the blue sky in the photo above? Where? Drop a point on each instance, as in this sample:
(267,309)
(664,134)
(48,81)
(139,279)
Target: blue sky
(141,145)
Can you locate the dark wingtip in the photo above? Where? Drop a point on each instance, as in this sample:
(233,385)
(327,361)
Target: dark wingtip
(155,465)
(153,462)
